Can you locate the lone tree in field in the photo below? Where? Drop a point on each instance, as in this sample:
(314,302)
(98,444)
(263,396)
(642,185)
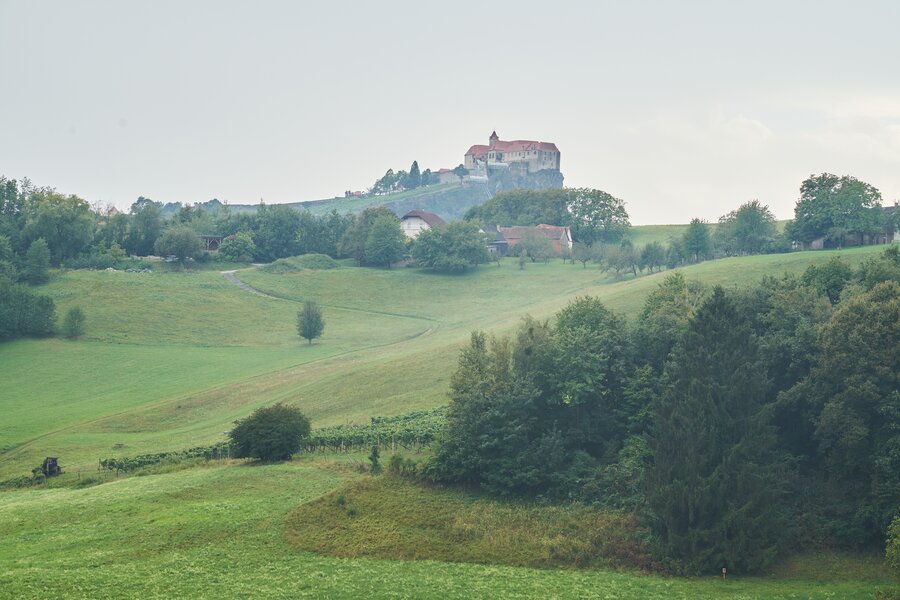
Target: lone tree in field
(271,433)
(73,324)
(310,323)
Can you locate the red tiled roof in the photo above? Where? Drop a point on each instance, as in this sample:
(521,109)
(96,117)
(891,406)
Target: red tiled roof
(517,232)
(432,219)
(512,146)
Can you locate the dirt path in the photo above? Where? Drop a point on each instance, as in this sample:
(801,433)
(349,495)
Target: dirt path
(230,276)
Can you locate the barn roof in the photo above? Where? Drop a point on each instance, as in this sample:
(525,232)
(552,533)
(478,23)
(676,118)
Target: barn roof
(518,232)
(432,219)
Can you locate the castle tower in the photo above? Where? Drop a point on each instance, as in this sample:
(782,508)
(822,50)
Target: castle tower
(493,139)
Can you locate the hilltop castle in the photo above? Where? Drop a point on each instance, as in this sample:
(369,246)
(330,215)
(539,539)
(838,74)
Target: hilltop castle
(524,155)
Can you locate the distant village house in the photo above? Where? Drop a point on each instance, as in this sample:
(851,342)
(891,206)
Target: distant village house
(560,237)
(416,221)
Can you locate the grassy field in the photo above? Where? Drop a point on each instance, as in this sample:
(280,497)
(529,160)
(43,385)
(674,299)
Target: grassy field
(219,532)
(171,359)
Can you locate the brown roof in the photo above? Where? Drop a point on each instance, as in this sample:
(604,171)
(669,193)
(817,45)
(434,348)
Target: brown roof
(517,232)
(512,146)
(432,219)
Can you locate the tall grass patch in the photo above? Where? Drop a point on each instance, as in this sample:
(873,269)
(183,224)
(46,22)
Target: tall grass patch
(393,518)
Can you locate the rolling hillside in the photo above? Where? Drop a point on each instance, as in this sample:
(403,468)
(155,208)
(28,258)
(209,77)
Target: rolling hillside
(449,200)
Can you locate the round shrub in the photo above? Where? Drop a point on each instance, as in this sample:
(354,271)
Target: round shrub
(271,433)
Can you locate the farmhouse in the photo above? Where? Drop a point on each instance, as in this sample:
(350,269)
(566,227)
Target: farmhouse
(561,237)
(525,155)
(416,221)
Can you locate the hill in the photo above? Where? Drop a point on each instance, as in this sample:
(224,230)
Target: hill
(449,200)
(170,360)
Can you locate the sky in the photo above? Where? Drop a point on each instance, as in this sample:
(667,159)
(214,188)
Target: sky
(682,109)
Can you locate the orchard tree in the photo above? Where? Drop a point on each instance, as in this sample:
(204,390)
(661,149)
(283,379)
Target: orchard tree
(310,323)
(653,255)
(696,241)
(181,242)
(537,246)
(748,230)
(386,242)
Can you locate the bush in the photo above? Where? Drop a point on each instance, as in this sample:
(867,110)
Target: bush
(295,264)
(24,313)
(73,324)
(271,433)
(91,261)
(238,247)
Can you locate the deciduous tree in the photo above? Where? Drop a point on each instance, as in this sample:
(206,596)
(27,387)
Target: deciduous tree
(310,322)
(386,241)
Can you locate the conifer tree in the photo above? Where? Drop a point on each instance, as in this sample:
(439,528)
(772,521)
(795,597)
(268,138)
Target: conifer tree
(713,480)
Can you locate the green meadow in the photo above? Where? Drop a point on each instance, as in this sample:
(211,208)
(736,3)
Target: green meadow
(219,532)
(170,360)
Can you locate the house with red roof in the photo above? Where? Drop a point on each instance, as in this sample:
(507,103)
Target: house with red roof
(527,155)
(560,237)
(416,221)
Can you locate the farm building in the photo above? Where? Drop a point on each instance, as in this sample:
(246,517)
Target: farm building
(561,237)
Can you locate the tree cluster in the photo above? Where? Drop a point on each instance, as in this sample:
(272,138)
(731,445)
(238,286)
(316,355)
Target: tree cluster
(593,215)
(452,249)
(40,228)
(403,180)
(839,209)
(737,423)
(374,238)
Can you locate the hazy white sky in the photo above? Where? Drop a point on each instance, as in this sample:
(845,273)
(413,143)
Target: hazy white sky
(682,109)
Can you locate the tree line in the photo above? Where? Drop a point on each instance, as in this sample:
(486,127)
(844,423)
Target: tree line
(738,423)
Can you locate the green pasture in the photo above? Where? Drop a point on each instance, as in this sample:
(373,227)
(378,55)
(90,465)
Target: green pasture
(219,532)
(169,360)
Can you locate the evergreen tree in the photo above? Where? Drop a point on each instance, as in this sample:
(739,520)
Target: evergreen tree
(37,262)
(414,178)
(386,242)
(713,481)
(310,324)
